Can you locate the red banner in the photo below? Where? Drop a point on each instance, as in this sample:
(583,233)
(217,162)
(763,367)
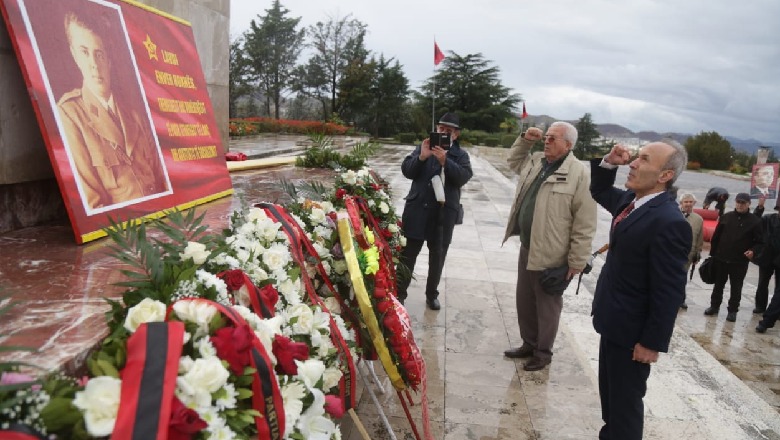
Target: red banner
(123,105)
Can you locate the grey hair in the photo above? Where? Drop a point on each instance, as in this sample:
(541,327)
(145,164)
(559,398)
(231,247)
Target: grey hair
(677,161)
(569,131)
(687,196)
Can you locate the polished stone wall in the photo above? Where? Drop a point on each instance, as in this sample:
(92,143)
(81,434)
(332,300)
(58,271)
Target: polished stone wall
(28,192)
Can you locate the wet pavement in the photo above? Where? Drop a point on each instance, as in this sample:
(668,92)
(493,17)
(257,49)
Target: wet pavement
(720,380)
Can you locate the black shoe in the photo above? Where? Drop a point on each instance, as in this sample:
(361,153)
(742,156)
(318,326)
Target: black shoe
(536,364)
(519,353)
(433,304)
(684,306)
(760,328)
(731,317)
(759,310)
(711,311)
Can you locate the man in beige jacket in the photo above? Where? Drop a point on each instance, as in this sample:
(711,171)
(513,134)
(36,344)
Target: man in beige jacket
(687,202)
(555,217)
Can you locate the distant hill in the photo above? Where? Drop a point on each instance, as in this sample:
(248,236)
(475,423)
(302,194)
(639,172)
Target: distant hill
(618,131)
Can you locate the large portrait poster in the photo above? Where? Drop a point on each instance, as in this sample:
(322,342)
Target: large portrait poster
(121,99)
(763,181)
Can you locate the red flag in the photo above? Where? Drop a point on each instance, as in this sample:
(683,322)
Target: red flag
(525,113)
(438,55)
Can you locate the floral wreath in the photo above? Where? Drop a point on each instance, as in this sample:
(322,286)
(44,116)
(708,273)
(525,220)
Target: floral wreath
(388,323)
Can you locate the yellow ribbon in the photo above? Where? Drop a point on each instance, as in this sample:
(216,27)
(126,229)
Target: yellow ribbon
(364,303)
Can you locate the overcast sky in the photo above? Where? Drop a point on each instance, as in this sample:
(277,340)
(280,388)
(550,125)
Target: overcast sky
(666,65)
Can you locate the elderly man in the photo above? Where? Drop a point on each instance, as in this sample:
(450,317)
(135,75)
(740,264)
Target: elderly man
(113,150)
(642,283)
(687,201)
(555,218)
(737,238)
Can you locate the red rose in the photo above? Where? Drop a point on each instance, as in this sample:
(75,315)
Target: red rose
(287,352)
(270,297)
(233,278)
(376,187)
(392,323)
(386,233)
(184,422)
(341,193)
(333,406)
(384,306)
(233,345)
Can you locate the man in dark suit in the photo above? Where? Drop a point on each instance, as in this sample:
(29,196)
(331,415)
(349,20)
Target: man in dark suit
(433,204)
(642,282)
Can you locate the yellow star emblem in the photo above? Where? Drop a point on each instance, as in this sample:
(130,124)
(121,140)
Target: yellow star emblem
(151,48)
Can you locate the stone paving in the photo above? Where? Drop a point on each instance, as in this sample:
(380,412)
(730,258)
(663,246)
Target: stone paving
(719,381)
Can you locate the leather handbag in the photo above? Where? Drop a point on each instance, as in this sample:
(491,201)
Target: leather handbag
(706,271)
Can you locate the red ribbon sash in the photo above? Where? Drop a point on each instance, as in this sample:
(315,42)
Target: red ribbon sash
(298,242)
(149,381)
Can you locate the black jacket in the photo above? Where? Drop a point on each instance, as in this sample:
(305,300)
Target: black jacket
(735,234)
(421,200)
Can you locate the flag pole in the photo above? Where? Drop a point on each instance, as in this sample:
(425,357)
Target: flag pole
(433,97)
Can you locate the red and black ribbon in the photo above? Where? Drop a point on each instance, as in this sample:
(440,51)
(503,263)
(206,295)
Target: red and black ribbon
(149,381)
(20,432)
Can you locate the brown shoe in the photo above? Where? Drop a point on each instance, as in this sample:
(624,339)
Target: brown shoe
(536,364)
(518,353)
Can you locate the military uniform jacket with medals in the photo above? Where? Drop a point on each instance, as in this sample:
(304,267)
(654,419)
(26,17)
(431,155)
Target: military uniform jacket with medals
(114,156)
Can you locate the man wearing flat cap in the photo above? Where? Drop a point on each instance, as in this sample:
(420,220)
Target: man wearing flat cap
(432,208)
(737,238)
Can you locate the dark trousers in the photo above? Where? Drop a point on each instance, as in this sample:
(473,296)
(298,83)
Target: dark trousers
(622,386)
(772,313)
(438,236)
(765,274)
(538,313)
(734,273)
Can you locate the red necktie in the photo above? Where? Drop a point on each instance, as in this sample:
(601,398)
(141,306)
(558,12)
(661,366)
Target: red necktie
(623,214)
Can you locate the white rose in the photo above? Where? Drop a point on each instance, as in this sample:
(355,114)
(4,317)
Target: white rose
(371,203)
(208,374)
(350,177)
(384,208)
(277,257)
(256,214)
(148,310)
(196,252)
(100,404)
(303,317)
(198,312)
(402,240)
(392,227)
(330,378)
(317,216)
(310,371)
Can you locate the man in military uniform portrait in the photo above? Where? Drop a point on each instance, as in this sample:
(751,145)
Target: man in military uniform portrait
(114,152)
